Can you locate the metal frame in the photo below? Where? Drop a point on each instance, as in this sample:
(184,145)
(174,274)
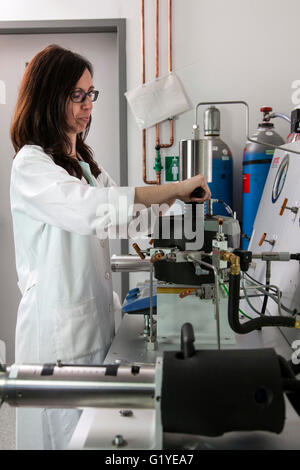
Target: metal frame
(114,25)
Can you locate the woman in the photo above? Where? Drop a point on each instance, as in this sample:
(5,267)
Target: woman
(62,206)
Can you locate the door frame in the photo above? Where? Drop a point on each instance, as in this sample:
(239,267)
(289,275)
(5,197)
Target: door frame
(114,25)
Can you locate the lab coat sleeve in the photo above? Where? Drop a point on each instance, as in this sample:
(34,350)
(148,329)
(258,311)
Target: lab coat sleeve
(46,192)
(142,220)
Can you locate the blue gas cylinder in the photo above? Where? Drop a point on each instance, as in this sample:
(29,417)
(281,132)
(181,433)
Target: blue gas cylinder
(221,186)
(256,164)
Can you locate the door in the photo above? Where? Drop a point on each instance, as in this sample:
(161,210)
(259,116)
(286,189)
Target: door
(15,51)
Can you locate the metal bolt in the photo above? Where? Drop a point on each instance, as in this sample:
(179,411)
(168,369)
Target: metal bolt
(119,441)
(126,413)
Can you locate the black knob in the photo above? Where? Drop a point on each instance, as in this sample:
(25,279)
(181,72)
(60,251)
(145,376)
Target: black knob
(198,192)
(187,340)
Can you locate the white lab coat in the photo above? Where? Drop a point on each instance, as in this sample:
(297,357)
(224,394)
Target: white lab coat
(67,306)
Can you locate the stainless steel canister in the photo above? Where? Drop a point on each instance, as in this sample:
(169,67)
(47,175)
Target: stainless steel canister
(195,158)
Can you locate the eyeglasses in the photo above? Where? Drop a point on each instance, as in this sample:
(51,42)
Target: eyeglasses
(79,96)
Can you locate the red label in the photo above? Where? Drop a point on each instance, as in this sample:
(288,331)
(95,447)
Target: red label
(246,183)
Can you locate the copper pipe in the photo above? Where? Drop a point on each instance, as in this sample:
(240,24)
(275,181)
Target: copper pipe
(171,126)
(171,136)
(143,42)
(143,81)
(145,162)
(156,38)
(170,35)
(157,141)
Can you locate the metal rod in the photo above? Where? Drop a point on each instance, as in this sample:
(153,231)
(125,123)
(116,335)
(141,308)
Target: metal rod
(130,263)
(217,295)
(77,386)
(151,302)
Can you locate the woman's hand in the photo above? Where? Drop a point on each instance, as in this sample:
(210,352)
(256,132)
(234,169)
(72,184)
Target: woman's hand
(186,187)
(169,192)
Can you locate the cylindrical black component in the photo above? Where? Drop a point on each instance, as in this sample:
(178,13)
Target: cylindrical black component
(211,393)
(295,256)
(290,383)
(245,258)
(251,325)
(187,340)
(182,273)
(295,121)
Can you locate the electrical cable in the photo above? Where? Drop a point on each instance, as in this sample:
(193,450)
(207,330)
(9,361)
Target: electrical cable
(227,207)
(275,289)
(258,282)
(268,278)
(266,293)
(247,298)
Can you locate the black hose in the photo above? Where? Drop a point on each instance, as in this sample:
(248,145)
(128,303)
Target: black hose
(264,306)
(268,277)
(256,323)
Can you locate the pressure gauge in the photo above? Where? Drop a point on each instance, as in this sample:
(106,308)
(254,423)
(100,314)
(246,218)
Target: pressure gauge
(280,178)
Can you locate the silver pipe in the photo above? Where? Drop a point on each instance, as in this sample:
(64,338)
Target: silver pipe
(77,386)
(272,256)
(209,103)
(151,335)
(280,115)
(263,287)
(217,295)
(130,263)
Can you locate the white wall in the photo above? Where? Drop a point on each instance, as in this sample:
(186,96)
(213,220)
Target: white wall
(222,50)
(226,49)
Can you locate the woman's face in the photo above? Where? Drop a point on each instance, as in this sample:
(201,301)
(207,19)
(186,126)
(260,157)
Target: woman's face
(78,114)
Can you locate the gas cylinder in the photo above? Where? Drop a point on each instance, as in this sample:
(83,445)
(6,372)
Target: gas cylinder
(221,186)
(256,164)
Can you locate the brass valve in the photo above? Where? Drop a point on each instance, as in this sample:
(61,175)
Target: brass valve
(234,261)
(263,239)
(284,206)
(138,250)
(185,293)
(156,257)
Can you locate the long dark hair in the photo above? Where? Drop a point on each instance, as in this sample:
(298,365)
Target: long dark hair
(40,114)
